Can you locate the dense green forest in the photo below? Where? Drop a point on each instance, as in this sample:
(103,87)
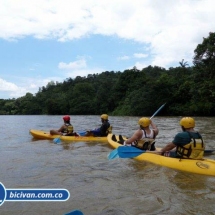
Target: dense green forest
(187,90)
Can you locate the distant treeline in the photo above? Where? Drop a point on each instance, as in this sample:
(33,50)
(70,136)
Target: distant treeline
(187,90)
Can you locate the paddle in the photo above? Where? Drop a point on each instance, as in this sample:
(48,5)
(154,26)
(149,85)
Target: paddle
(75,212)
(57,140)
(127,152)
(157,110)
(209,151)
(113,154)
(82,133)
(131,152)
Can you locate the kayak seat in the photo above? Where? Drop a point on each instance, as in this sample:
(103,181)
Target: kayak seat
(153,147)
(114,138)
(121,140)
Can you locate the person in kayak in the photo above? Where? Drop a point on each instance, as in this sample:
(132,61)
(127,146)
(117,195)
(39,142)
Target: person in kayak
(103,130)
(144,137)
(188,143)
(66,129)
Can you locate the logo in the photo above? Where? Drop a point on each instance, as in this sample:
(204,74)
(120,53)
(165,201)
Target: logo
(2,193)
(32,194)
(202,165)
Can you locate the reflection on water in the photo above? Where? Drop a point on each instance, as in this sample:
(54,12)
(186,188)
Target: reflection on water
(98,186)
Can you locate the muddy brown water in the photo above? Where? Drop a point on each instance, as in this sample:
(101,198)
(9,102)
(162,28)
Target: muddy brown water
(99,186)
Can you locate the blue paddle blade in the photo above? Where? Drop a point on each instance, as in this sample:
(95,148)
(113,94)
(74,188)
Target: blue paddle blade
(57,140)
(113,154)
(75,212)
(82,133)
(129,152)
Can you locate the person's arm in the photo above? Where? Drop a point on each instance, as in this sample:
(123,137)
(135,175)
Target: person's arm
(61,129)
(168,147)
(154,127)
(136,136)
(58,132)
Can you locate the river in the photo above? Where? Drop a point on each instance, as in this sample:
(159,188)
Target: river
(99,186)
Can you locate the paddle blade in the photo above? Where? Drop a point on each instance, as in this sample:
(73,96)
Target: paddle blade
(129,152)
(82,133)
(75,212)
(113,154)
(57,140)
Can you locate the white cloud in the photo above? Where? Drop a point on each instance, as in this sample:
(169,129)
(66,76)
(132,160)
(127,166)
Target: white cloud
(140,55)
(79,64)
(32,85)
(140,65)
(124,58)
(7,86)
(172,29)
(131,19)
(11,89)
(78,68)
(84,72)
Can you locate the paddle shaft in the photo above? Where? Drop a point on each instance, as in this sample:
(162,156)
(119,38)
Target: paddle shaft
(209,151)
(157,110)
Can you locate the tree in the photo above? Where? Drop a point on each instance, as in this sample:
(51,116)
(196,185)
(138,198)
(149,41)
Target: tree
(204,58)
(204,65)
(81,99)
(183,63)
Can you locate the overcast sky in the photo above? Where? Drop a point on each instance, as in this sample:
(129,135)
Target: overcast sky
(52,40)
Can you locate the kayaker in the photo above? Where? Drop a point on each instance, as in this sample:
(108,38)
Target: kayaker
(144,137)
(66,129)
(103,130)
(188,143)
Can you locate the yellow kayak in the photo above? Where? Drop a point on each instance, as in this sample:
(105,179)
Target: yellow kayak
(204,166)
(38,134)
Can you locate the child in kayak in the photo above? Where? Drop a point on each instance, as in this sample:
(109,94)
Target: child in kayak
(103,130)
(66,129)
